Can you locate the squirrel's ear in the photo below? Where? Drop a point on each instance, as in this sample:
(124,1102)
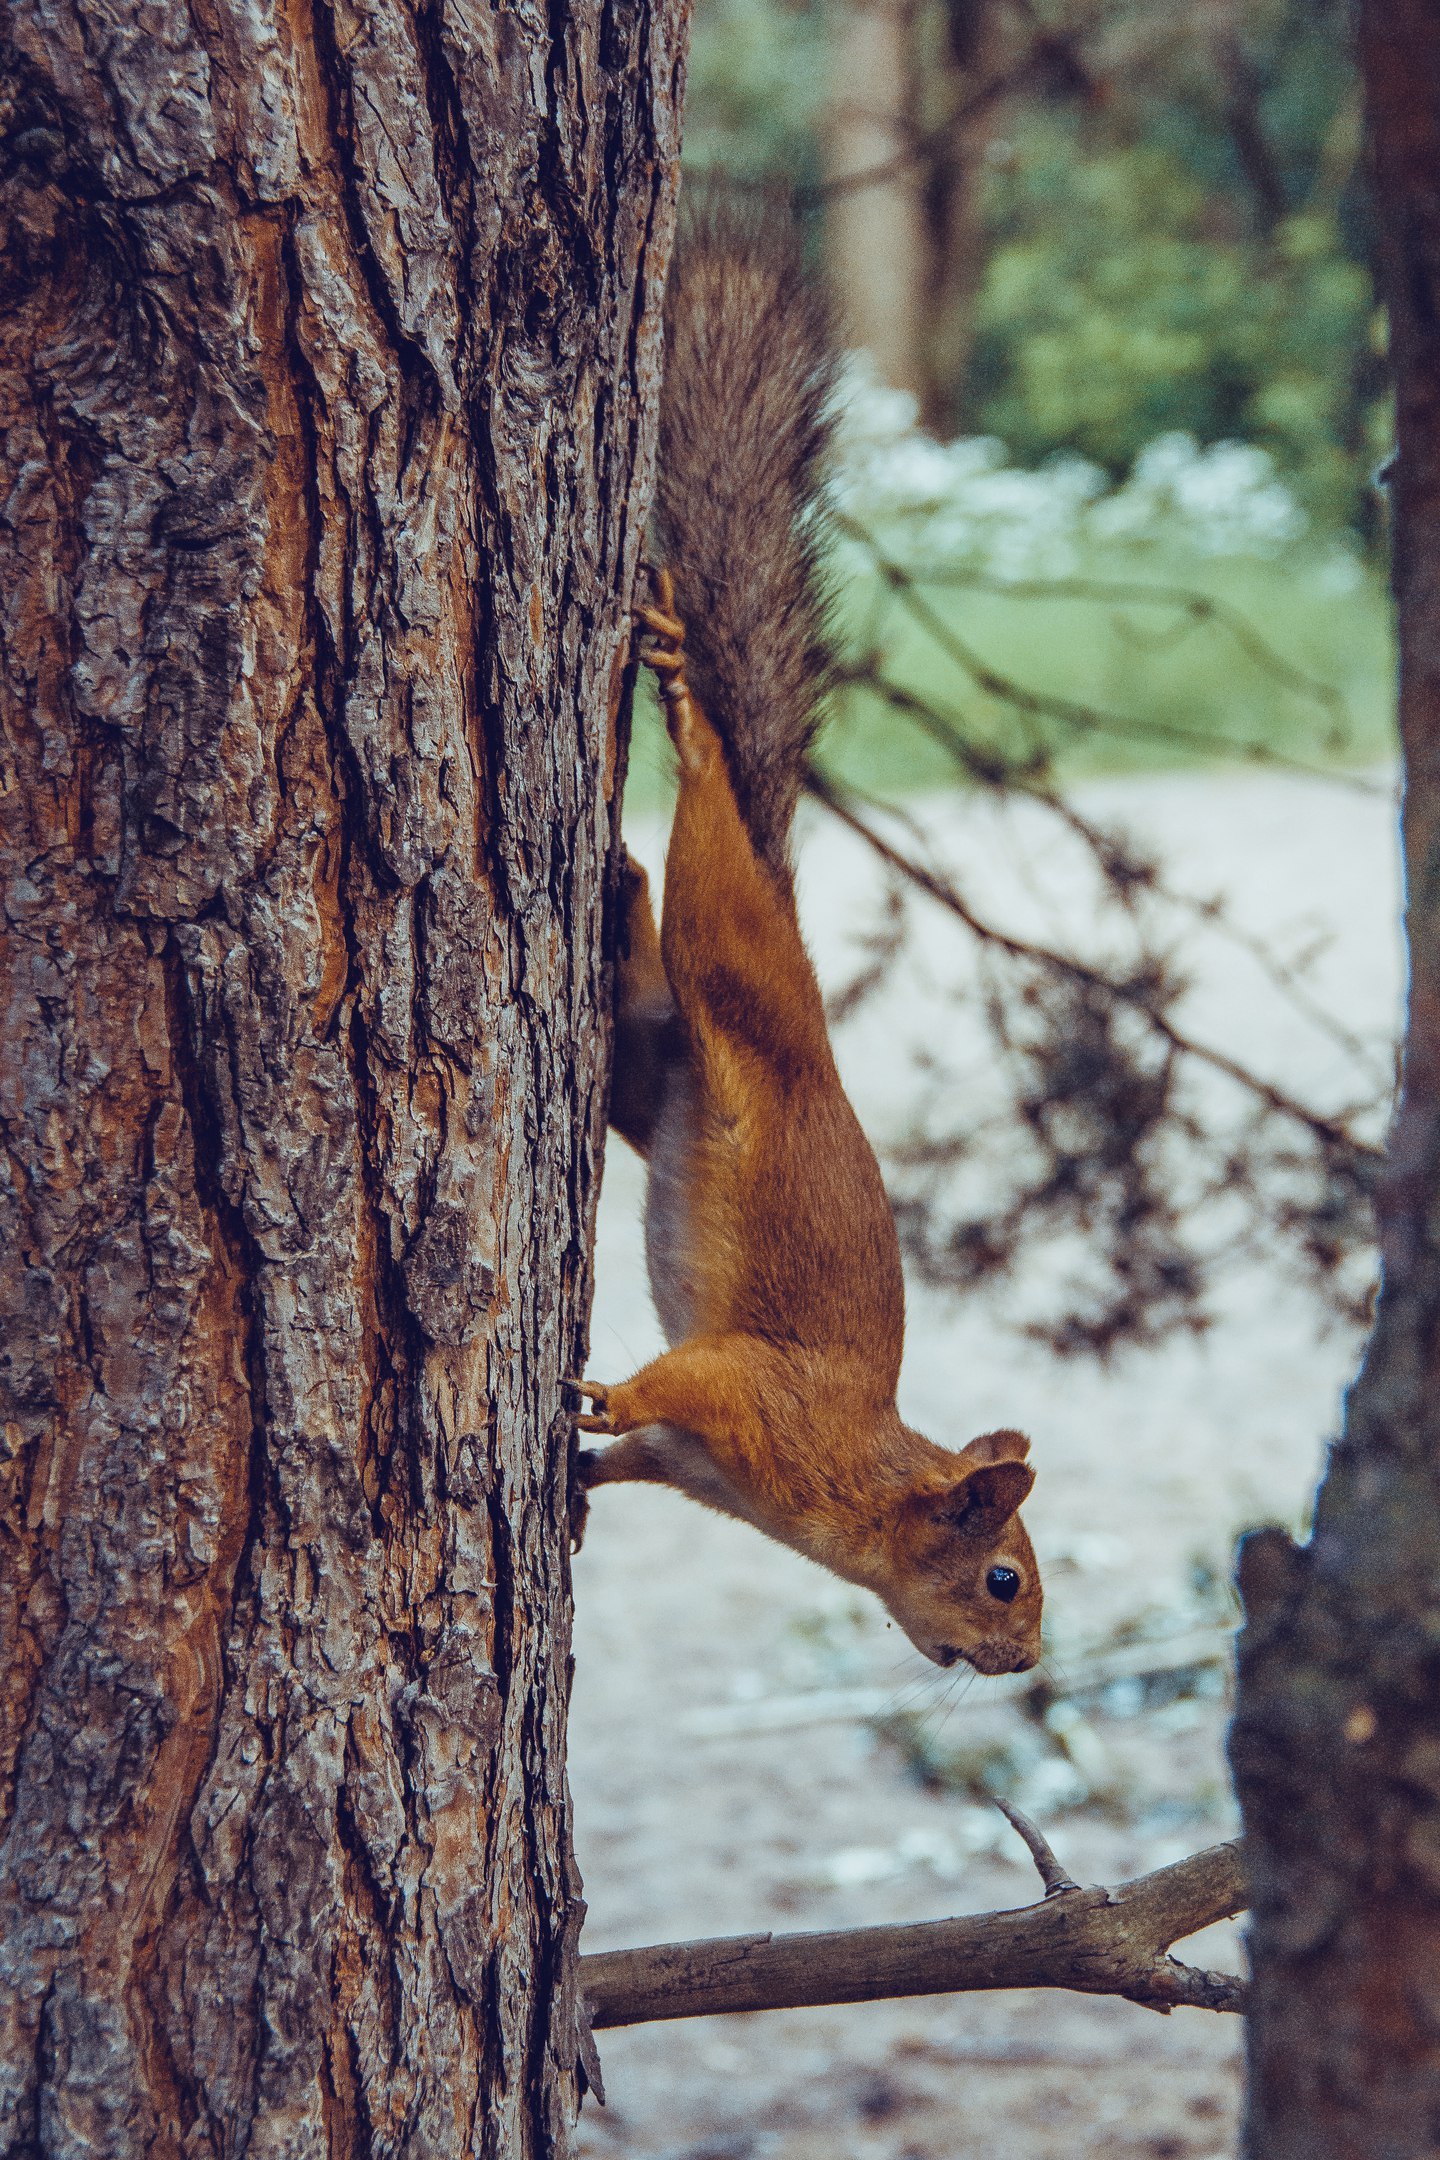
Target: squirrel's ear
(986,1498)
(994,1447)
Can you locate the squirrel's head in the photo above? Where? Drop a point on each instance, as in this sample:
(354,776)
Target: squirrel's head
(964,1581)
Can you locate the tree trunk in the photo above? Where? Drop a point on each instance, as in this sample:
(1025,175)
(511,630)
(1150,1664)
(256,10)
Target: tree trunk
(1336,1744)
(874,230)
(970,62)
(327,402)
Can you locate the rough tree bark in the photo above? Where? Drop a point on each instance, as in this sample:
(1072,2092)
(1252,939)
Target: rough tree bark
(1336,1743)
(327,383)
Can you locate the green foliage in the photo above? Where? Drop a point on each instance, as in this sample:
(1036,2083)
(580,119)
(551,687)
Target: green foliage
(1113,311)
(1176,239)
(756,88)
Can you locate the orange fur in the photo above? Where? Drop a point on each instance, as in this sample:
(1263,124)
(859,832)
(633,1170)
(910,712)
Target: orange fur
(773,1250)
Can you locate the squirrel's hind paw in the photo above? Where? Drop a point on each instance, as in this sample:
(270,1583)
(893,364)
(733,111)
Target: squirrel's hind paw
(662,633)
(662,648)
(662,585)
(660,623)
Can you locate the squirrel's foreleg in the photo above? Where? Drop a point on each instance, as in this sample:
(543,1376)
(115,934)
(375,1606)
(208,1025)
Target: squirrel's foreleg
(712,1387)
(702,1384)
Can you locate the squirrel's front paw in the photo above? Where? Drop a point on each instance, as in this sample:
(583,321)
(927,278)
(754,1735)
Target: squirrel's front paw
(603,1419)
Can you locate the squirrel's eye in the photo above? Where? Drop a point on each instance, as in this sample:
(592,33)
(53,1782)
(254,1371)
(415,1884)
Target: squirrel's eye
(1003,1583)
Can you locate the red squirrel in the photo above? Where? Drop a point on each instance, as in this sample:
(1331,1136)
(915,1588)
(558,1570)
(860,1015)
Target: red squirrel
(772,1248)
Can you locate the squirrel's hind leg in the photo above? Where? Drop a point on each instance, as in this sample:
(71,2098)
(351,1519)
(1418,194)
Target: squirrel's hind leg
(646,1035)
(731,944)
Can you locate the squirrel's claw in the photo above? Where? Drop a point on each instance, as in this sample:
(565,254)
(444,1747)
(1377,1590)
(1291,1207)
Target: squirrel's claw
(662,646)
(662,649)
(662,584)
(598,1393)
(661,624)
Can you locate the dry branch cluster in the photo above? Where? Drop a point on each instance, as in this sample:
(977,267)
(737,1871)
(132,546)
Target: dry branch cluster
(1120,1124)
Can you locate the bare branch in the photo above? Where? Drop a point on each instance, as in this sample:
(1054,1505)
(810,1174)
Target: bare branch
(1332,1131)
(1048,57)
(1094,1941)
(1124,871)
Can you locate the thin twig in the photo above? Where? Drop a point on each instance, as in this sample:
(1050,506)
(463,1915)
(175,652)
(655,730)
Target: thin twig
(1070,712)
(1054,1876)
(924,147)
(1200,607)
(1001,778)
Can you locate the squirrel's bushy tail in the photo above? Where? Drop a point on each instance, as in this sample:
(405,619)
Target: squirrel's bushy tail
(750,365)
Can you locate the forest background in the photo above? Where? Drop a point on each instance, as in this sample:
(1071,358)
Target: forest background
(1103,246)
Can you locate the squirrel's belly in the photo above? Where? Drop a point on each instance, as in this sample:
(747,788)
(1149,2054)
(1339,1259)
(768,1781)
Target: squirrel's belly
(669,1245)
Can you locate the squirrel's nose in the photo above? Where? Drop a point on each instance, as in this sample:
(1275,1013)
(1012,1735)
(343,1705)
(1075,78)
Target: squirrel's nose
(999,1656)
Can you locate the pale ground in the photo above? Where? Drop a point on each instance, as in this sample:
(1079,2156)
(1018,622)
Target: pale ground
(684,1829)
